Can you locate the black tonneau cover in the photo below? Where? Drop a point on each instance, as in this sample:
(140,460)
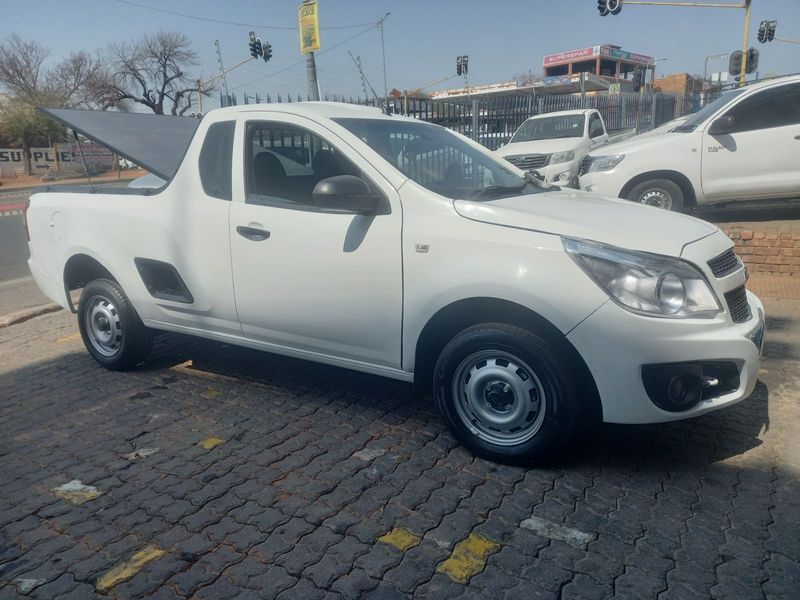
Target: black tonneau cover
(155,142)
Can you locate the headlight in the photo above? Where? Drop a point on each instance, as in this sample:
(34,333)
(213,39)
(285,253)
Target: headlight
(559,157)
(645,283)
(605,163)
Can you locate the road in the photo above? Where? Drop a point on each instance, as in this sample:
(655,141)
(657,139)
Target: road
(221,472)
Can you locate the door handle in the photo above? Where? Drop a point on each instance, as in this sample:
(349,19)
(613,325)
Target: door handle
(252,233)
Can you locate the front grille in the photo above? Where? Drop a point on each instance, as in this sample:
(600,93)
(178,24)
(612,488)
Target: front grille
(724,264)
(529,161)
(737,305)
(583,168)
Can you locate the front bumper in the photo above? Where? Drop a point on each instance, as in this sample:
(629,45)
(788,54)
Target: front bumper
(562,174)
(605,183)
(616,344)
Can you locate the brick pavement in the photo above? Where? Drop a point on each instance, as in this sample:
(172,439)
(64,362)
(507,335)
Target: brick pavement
(218,472)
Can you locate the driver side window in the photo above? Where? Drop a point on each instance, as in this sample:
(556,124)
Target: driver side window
(595,126)
(284,162)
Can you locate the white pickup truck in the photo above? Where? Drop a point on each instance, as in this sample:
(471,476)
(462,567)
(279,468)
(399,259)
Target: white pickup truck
(555,143)
(338,234)
(743,146)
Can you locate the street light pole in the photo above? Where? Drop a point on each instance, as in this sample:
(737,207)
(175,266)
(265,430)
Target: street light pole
(383,52)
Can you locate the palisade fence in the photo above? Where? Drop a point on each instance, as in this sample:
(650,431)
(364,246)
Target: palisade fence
(492,120)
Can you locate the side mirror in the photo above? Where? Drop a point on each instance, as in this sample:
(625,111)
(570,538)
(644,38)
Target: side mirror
(346,193)
(723,125)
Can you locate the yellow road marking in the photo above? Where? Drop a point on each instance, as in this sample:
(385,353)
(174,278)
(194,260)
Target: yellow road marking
(211,442)
(211,394)
(129,568)
(468,558)
(400,538)
(69,338)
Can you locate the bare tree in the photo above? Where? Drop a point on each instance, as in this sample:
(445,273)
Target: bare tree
(72,82)
(152,71)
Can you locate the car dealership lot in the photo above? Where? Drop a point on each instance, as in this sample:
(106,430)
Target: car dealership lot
(215,471)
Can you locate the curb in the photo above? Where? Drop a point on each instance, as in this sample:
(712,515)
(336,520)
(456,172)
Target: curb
(28,313)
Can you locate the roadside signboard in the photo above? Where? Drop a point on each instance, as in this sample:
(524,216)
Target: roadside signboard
(614,88)
(309,27)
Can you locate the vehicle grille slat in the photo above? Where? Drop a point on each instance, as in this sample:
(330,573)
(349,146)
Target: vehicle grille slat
(724,264)
(529,161)
(583,168)
(737,305)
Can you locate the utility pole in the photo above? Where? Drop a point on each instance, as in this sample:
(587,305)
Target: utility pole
(743,74)
(222,71)
(383,52)
(311,72)
(357,62)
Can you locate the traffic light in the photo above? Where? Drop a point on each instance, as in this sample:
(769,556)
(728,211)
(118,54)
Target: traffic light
(762,32)
(752,61)
(605,7)
(267,49)
(459,67)
(255,46)
(638,79)
(735,63)
(465,64)
(771,30)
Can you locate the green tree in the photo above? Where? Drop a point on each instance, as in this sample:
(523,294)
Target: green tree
(24,126)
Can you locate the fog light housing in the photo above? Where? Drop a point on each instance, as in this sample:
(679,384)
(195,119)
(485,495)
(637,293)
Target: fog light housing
(676,387)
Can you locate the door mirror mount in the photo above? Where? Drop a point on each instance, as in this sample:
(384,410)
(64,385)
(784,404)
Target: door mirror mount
(345,193)
(722,125)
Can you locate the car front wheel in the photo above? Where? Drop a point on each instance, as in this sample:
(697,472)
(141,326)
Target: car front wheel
(661,193)
(508,394)
(111,330)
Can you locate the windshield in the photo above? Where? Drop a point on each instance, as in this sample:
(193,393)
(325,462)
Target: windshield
(439,160)
(708,110)
(550,128)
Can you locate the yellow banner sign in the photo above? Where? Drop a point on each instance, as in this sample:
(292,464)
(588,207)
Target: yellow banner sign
(309,27)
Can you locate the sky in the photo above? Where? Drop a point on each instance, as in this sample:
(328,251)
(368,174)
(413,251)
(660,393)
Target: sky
(422,38)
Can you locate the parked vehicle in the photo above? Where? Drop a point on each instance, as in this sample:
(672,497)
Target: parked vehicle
(338,234)
(743,146)
(555,143)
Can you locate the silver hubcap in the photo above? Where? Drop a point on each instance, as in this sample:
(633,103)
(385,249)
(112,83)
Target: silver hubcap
(499,397)
(657,197)
(103,325)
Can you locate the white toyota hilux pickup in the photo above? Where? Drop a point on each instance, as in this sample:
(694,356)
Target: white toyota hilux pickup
(337,234)
(745,145)
(554,144)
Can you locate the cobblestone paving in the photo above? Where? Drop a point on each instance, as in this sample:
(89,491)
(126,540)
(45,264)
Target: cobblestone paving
(217,472)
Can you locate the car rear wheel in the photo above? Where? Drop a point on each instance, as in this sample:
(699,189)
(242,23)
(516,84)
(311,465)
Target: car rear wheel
(508,394)
(661,193)
(111,329)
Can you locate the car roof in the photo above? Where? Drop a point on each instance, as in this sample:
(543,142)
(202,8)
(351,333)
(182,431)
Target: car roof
(332,110)
(581,111)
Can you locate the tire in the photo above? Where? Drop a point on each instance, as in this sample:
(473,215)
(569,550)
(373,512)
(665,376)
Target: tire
(524,408)
(662,193)
(111,330)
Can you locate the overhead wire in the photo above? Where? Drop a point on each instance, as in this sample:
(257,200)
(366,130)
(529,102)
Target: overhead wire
(224,22)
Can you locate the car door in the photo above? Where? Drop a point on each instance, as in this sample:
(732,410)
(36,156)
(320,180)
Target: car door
(305,279)
(759,158)
(597,131)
